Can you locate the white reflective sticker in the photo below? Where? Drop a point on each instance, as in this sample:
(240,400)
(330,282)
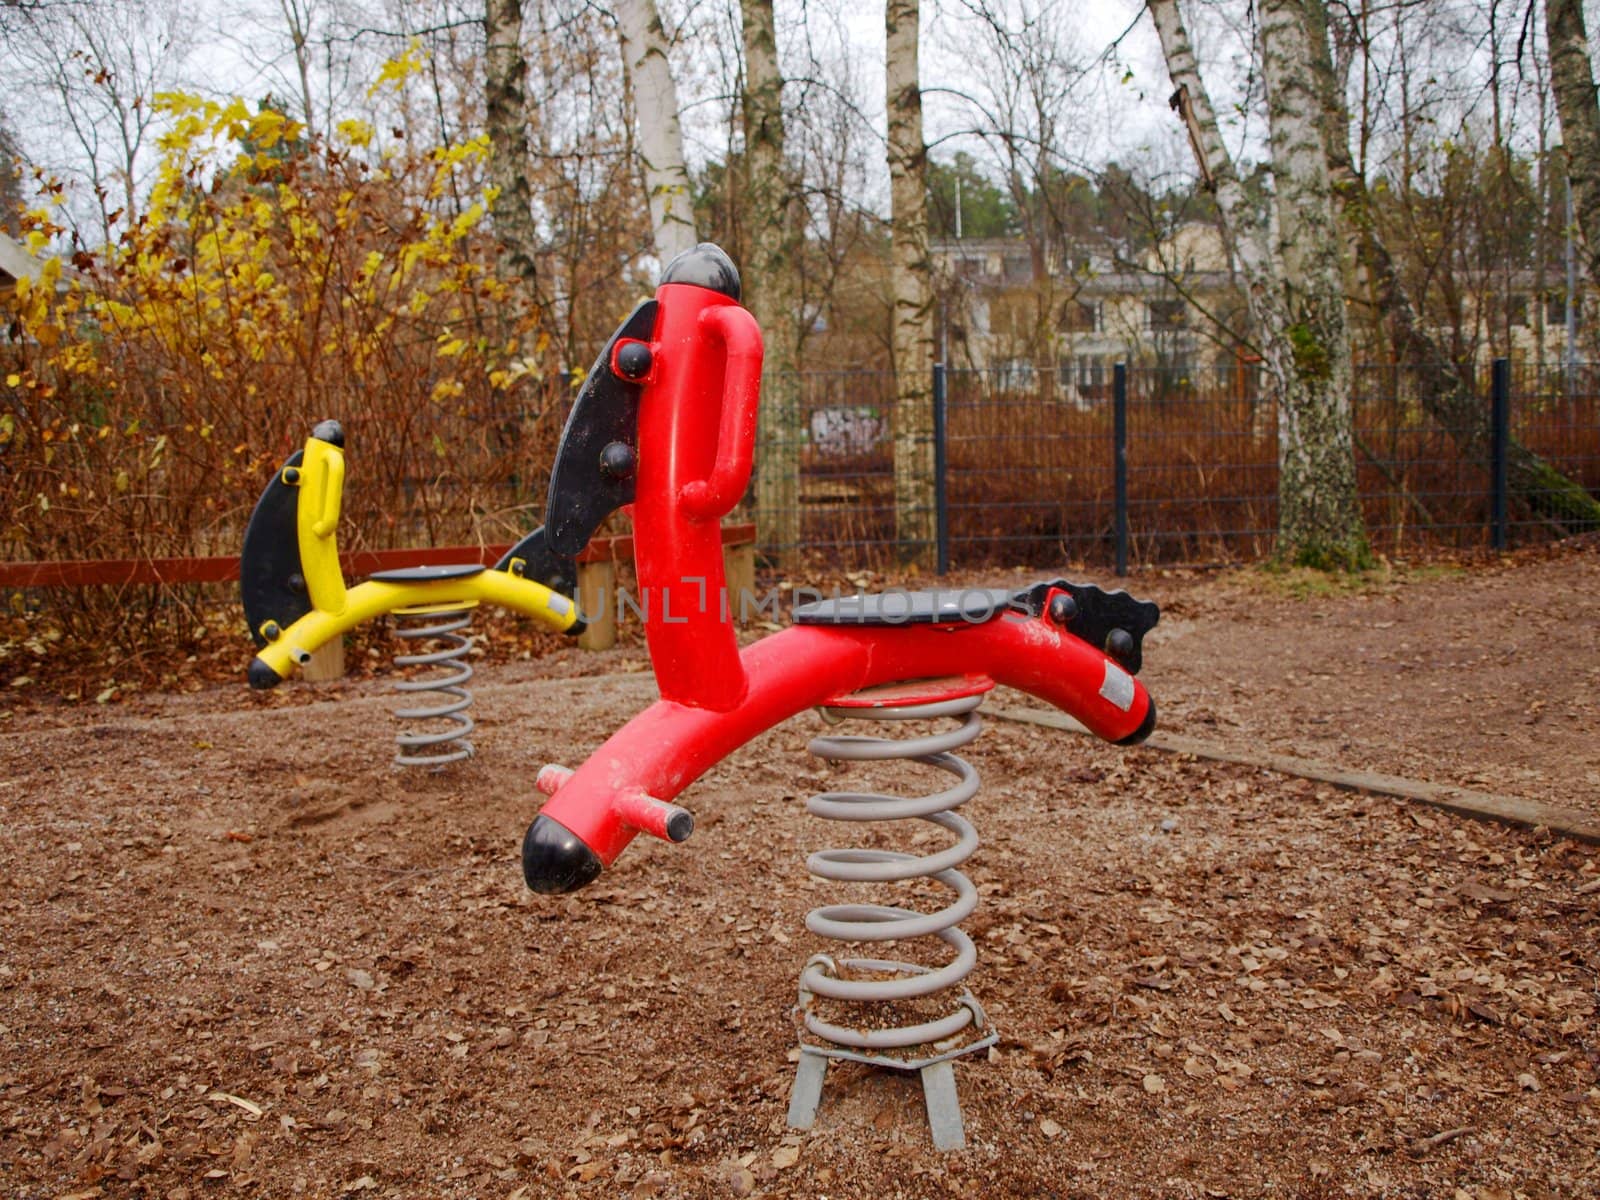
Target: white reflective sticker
(558,604)
(1118,687)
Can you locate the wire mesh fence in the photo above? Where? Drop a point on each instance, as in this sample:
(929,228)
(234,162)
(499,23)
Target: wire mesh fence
(1026,467)
(1028,463)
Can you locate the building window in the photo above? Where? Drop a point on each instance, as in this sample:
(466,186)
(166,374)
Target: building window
(1517,310)
(1014,374)
(1079,316)
(1167,314)
(1176,374)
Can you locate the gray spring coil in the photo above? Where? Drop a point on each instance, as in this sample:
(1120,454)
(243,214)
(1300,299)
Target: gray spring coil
(450,744)
(882,923)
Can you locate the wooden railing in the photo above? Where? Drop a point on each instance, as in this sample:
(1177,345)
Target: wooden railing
(597,564)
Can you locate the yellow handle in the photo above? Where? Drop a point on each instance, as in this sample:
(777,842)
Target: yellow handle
(317,521)
(372,599)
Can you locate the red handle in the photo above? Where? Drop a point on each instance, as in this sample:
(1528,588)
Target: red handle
(713,497)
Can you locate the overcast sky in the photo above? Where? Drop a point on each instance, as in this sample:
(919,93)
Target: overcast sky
(1116,109)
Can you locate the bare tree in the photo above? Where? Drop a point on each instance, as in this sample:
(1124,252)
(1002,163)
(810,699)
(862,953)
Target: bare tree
(1572,80)
(771,279)
(317,57)
(1293,280)
(1021,103)
(1319,512)
(1245,224)
(1445,391)
(837,152)
(11,197)
(94,67)
(587,201)
(911,276)
(655,95)
(506,118)
(297,19)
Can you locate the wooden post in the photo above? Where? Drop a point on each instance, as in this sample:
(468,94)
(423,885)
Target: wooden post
(739,567)
(326,662)
(597,602)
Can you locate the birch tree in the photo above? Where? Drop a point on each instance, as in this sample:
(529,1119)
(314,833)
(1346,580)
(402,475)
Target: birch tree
(1244,224)
(1572,80)
(655,104)
(1319,513)
(1446,394)
(506,119)
(911,287)
(771,279)
(1293,280)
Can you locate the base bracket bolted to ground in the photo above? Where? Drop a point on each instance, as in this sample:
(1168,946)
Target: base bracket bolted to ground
(938,1086)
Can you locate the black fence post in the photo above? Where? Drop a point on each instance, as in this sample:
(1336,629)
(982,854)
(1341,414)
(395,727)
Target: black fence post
(1499,443)
(941,510)
(1119,409)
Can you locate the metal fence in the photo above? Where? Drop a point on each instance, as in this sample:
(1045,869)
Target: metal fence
(1028,463)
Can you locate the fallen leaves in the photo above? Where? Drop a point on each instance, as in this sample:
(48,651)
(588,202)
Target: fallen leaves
(1423,1146)
(383,987)
(1483,894)
(251,1109)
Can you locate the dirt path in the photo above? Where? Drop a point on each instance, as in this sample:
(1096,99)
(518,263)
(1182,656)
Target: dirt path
(1488,678)
(241,956)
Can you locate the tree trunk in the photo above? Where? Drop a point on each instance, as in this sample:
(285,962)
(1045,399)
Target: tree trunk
(1292,283)
(505,84)
(1319,512)
(1445,393)
(655,96)
(298,23)
(1572,80)
(1245,226)
(771,282)
(911,279)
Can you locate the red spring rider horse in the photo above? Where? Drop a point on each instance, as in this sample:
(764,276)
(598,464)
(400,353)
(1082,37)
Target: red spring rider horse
(667,421)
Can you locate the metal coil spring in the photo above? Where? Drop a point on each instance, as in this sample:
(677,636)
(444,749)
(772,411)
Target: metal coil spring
(437,747)
(882,923)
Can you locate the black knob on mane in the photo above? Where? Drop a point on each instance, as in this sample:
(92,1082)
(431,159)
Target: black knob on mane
(707,266)
(329,431)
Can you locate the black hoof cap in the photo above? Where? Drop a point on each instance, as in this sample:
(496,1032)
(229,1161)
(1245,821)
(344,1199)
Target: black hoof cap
(329,431)
(1146,728)
(262,676)
(554,859)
